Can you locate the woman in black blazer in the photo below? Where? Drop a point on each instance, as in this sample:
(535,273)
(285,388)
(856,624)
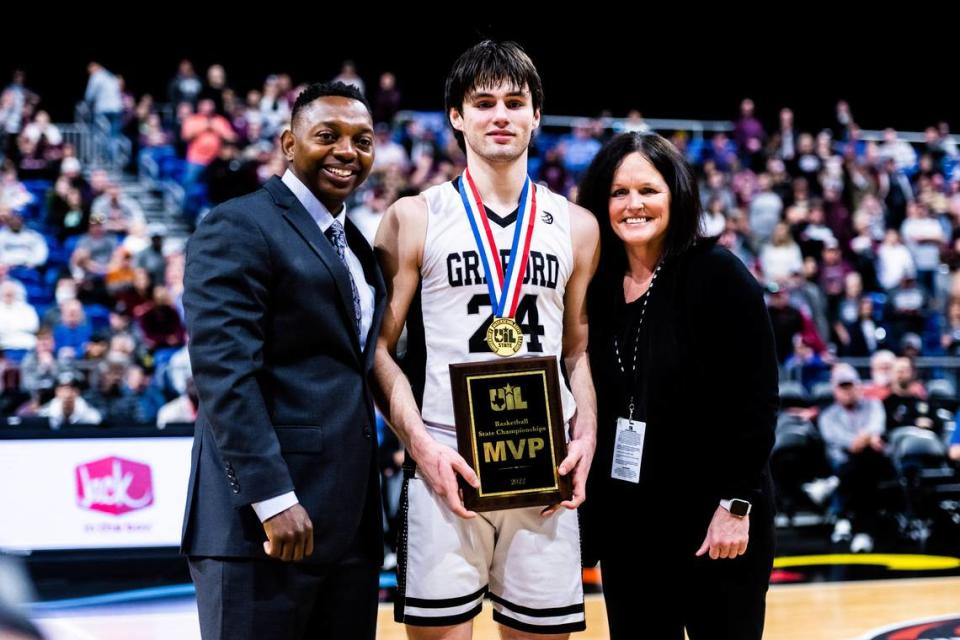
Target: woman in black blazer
(679,509)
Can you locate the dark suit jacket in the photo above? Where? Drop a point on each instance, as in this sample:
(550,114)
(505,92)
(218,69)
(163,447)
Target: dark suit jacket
(285,403)
(712,397)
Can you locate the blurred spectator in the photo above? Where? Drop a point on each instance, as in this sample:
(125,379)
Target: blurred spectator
(182,409)
(32,160)
(907,404)
(229,175)
(579,148)
(714,219)
(97,349)
(21,246)
(118,210)
(246,115)
(906,310)
(136,239)
(750,137)
(18,323)
(881,375)
(811,232)
(786,137)
(387,101)
(104,95)
(159,321)
(136,293)
(67,214)
(367,215)
(68,407)
(174,280)
(348,75)
(923,237)
(91,261)
(42,132)
(716,186)
(843,120)
(634,123)
(204,132)
(177,372)
(894,261)
(39,365)
(142,400)
(721,153)
(552,171)
(15,100)
(809,298)
(72,331)
(833,272)
(91,258)
(954,450)
(64,289)
(106,392)
(765,210)
(151,258)
(848,307)
(853,428)
(120,272)
(11,393)
(862,336)
(274,107)
(786,319)
(13,193)
(950,337)
(389,153)
(900,151)
(5,277)
(152,133)
(805,364)
(185,86)
(216,88)
(781,258)
(895,190)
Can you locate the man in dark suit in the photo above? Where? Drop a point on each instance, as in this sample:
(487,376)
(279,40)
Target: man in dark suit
(283,300)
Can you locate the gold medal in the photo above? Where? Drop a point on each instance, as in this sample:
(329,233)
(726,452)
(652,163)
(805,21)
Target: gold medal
(504,337)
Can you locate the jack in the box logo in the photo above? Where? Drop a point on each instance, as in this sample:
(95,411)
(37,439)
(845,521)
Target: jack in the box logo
(114,485)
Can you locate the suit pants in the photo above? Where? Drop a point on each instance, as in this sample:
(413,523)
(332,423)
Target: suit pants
(241,598)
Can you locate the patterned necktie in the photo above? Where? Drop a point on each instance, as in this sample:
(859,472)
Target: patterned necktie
(335,234)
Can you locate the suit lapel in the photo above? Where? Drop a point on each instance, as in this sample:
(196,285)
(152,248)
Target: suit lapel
(307,228)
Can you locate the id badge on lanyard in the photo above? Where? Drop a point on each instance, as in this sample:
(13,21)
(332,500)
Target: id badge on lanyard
(628,450)
(628,446)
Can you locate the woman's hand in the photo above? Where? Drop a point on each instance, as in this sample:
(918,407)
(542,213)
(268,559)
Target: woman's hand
(727,535)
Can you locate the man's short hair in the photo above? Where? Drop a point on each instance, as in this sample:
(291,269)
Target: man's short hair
(325,90)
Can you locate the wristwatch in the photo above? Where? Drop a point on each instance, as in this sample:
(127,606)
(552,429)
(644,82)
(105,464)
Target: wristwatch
(737,507)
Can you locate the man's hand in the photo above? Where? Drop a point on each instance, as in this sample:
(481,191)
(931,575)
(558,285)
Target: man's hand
(439,466)
(289,535)
(579,458)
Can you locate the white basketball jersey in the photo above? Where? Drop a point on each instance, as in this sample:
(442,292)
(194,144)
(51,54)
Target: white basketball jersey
(456,301)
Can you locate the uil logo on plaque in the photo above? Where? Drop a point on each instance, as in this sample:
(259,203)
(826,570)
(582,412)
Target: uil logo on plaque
(507,398)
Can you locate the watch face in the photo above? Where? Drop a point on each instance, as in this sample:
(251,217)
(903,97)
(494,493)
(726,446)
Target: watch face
(739,507)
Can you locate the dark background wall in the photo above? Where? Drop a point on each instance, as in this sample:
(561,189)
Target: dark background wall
(893,72)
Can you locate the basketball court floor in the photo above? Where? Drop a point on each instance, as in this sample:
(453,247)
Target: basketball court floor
(848,607)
